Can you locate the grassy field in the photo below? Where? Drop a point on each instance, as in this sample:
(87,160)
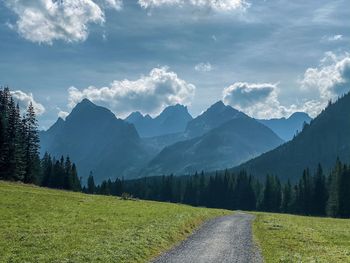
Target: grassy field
(288,238)
(43,225)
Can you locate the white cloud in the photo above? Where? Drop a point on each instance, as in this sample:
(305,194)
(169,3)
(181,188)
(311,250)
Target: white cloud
(45,21)
(148,94)
(259,100)
(330,79)
(63,114)
(332,38)
(24,99)
(217,5)
(203,67)
(115,4)
(335,38)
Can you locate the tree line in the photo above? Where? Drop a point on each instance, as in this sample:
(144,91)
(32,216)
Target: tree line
(19,150)
(314,194)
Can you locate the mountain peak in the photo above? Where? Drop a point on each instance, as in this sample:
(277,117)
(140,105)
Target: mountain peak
(300,115)
(214,116)
(219,105)
(134,116)
(172,119)
(173,109)
(57,125)
(85,102)
(86,110)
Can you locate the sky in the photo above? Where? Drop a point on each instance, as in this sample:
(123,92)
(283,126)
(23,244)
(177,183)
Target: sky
(266,58)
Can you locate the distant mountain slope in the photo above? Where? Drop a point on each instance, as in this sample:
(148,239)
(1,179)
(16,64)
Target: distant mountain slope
(327,137)
(213,117)
(233,142)
(172,119)
(286,128)
(97,141)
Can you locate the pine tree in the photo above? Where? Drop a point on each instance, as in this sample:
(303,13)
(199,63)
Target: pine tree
(344,192)
(334,182)
(32,146)
(76,184)
(46,170)
(306,193)
(287,198)
(4,137)
(91,184)
(320,194)
(68,179)
(19,143)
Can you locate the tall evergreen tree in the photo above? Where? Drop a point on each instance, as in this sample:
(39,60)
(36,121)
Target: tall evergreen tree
(334,182)
(91,184)
(32,146)
(320,194)
(344,192)
(287,198)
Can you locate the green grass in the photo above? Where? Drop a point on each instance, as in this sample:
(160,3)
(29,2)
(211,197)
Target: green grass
(43,225)
(289,238)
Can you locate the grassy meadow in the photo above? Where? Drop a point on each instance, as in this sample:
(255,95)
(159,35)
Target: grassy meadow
(290,238)
(44,225)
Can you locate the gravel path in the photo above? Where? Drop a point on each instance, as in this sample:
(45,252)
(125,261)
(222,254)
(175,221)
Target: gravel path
(225,239)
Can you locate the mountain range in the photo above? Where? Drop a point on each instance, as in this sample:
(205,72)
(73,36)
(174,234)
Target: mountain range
(220,137)
(286,128)
(172,119)
(322,141)
(172,142)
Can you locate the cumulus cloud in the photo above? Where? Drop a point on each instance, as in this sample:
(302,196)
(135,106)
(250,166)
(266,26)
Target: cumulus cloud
(216,5)
(148,94)
(259,100)
(203,67)
(45,21)
(63,114)
(330,79)
(25,98)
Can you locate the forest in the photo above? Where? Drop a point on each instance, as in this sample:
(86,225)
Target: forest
(19,150)
(316,193)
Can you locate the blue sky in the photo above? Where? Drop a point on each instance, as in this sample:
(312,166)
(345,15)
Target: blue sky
(266,58)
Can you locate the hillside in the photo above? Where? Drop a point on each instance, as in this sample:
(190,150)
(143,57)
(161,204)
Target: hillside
(290,238)
(322,141)
(42,225)
(231,143)
(97,141)
(286,128)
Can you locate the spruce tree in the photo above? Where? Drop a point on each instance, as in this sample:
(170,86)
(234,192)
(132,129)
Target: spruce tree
(91,184)
(32,146)
(320,194)
(344,192)
(286,198)
(76,184)
(334,182)
(46,170)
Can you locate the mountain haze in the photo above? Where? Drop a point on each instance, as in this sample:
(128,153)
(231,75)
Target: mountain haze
(286,128)
(97,141)
(173,119)
(237,139)
(213,117)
